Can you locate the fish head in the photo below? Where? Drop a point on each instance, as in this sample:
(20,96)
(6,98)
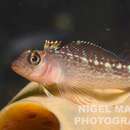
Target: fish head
(31,65)
(38,66)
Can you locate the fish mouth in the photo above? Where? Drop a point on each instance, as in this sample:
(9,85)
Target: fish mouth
(21,69)
(14,66)
(18,68)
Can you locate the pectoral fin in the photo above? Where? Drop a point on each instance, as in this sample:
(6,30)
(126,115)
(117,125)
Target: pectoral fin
(84,96)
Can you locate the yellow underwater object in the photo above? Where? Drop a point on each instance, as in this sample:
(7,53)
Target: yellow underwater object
(31,109)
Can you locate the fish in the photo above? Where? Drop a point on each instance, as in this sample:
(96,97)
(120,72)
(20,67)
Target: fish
(76,68)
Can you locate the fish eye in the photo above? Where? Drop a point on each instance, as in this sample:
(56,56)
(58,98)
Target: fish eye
(34,58)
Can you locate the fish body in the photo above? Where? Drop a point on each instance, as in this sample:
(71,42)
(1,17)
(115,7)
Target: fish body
(75,68)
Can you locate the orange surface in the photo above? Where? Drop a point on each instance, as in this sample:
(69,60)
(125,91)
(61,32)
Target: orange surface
(28,116)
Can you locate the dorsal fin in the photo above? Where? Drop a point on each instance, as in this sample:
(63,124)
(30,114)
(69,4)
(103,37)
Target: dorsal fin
(80,42)
(52,45)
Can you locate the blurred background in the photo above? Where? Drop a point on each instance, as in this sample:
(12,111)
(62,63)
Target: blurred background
(26,24)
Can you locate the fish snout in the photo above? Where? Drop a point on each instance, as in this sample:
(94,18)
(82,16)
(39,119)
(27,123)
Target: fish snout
(15,66)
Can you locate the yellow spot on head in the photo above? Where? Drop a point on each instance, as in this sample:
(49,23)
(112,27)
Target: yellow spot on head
(113,65)
(124,66)
(128,68)
(96,62)
(101,63)
(119,66)
(90,60)
(107,65)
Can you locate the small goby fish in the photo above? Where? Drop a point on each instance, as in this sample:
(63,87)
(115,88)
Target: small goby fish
(74,67)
